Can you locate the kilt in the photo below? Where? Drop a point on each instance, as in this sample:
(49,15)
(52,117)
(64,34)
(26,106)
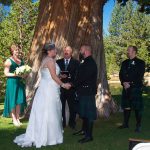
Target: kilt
(87,107)
(132,98)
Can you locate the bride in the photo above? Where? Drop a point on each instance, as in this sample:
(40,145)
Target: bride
(45,122)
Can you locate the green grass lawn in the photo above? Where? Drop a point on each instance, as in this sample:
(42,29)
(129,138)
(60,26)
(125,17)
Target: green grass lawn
(106,134)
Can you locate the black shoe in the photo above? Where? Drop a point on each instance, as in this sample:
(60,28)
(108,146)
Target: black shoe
(85,140)
(138,129)
(64,125)
(80,132)
(123,126)
(79,141)
(72,127)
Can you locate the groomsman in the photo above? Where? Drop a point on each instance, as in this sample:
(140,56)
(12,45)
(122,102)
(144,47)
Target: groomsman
(68,66)
(86,85)
(131,77)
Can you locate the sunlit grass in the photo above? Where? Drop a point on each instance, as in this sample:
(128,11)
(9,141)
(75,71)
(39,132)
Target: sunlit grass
(106,134)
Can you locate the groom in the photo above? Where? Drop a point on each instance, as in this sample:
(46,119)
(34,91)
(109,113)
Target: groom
(86,86)
(68,67)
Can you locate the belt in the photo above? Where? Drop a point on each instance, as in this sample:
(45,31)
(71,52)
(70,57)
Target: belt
(133,84)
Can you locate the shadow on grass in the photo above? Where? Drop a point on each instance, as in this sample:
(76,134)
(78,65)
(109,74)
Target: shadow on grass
(1,108)
(1,111)
(146,89)
(1,100)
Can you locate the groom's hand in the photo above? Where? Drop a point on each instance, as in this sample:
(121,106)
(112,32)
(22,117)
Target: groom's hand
(63,76)
(67,86)
(126,85)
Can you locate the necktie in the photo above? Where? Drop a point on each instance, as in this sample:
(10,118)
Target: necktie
(66,64)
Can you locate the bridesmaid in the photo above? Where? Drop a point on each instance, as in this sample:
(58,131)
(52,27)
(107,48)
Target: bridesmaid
(15,99)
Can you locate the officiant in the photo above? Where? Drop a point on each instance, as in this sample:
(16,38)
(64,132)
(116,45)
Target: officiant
(68,66)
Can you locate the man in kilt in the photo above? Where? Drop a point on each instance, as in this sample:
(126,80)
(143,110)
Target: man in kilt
(86,87)
(131,77)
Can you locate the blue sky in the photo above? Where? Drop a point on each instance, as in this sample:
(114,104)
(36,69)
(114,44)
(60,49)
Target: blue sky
(108,8)
(107,14)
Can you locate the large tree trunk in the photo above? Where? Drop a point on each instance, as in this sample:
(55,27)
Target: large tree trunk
(72,22)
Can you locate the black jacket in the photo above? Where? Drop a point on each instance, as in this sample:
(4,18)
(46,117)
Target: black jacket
(72,68)
(132,70)
(86,79)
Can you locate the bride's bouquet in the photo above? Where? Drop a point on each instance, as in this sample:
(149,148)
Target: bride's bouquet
(23,70)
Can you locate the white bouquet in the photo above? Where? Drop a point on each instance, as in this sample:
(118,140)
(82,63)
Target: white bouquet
(23,70)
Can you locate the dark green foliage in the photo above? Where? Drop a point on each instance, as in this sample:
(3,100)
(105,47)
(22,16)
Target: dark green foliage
(144,5)
(6,2)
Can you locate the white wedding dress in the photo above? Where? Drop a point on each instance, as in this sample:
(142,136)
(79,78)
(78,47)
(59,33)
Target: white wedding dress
(45,122)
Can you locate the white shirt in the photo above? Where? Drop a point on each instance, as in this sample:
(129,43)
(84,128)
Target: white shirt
(67,59)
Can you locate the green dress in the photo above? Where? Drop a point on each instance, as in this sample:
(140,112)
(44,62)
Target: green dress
(15,91)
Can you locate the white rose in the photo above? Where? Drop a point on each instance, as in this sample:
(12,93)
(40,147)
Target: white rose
(17,71)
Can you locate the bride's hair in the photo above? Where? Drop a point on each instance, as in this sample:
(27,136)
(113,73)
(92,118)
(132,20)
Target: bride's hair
(44,53)
(47,47)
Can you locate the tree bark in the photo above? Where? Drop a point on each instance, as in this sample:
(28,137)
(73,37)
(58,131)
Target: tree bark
(72,22)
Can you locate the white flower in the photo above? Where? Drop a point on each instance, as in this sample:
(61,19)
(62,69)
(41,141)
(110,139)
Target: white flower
(23,70)
(28,68)
(82,62)
(17,70)
(133,63)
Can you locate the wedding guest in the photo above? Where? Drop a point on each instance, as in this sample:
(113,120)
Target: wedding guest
(86,86)
(15,98)
(131,77)
(68,66)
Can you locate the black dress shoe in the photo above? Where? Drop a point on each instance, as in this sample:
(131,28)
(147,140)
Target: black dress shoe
(80,132)
(79,141)
(73,127)
(123,126)
(85,140)
(64,126)
(138,129)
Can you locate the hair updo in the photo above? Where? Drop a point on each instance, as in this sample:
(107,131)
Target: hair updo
(47,47)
